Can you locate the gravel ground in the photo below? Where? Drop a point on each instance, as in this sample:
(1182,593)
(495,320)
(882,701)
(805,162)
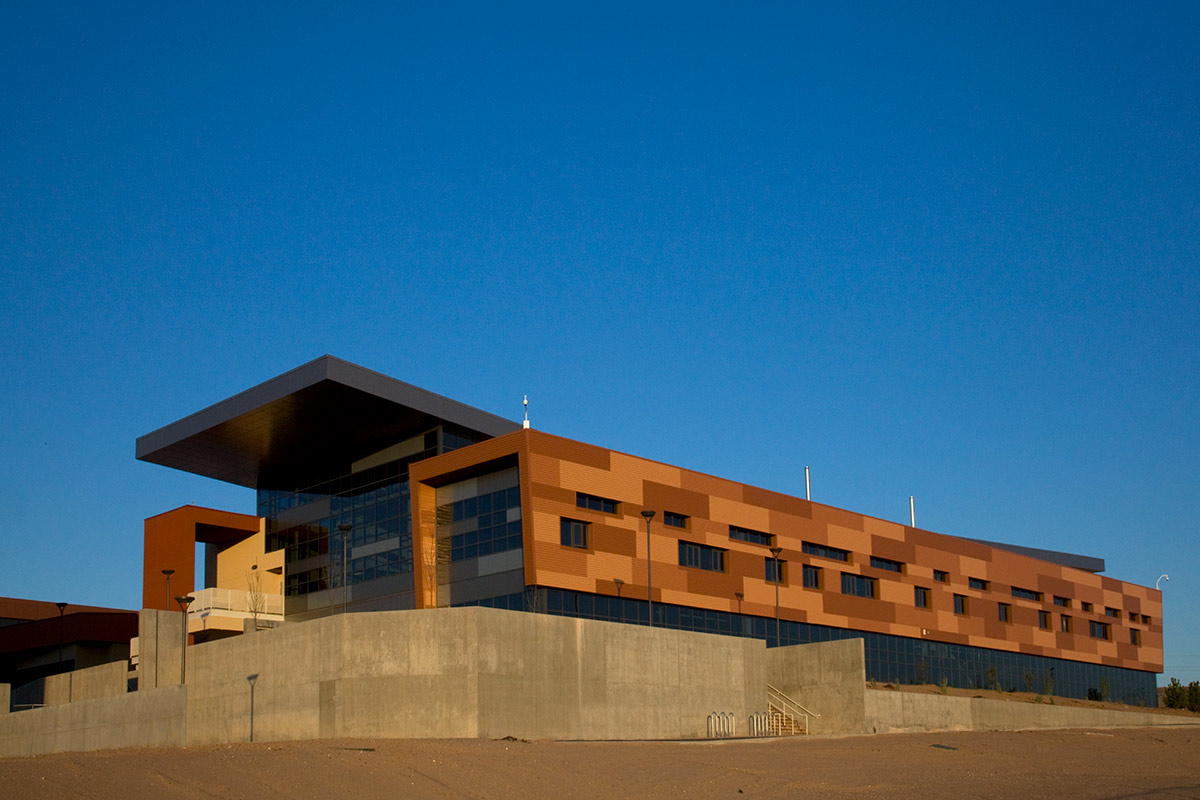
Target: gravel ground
(1123,763)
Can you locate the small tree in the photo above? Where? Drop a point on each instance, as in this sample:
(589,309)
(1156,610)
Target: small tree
(429,573)
(255,601)
(1047,683)
(1174,695)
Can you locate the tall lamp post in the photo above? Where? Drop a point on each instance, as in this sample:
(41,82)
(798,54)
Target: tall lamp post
(649,515)
(344,529)
(619,584)
(168,573)
(184,602)
(61,606)
(775,551)
(1160,579)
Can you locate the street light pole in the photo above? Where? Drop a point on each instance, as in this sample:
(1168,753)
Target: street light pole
(184,602)
(1160,579)
(168,573)
(775,551)
(649,515)
(61,606)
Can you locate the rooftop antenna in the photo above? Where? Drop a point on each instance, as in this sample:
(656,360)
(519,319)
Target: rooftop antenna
(526,425)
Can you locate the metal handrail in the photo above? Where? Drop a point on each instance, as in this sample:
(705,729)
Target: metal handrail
(787,708)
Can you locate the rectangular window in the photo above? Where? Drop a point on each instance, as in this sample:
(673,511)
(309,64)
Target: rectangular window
(1026,594)
(1135,636)
(1005,612)
(594,503)
(1109,611)
(941,576)
(960,604)
(858,585)
(701,556)
(825,551)
(920,597)
(1064,624)
(1145,619)
(1100,630)
(1044,620)
(1062,601)
(1086,606)
(770,570)
(886,563)
(574,533)
(674,520)
(753,537)
(812,577)
(978,583)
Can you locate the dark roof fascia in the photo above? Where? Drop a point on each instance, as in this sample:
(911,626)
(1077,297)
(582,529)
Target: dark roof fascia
(326,367)
(280,434)
(1073,560)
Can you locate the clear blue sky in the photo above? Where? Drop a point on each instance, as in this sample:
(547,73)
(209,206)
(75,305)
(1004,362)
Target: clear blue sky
(946,251)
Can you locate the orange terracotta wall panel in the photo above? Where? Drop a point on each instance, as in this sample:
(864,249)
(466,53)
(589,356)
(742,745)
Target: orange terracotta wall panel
(169,542)
(554,469)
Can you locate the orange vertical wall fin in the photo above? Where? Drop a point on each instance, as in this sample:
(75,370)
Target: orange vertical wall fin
(170,542)
(424,531)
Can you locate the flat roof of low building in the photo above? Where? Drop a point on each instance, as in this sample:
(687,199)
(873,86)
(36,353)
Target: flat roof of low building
(290,430)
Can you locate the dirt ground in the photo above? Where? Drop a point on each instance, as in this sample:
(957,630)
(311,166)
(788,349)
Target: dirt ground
(1122,763)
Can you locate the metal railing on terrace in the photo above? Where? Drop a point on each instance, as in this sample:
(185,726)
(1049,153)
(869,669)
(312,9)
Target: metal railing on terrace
(237,601)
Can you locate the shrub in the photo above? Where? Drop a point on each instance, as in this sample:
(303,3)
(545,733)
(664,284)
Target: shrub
(1174,695)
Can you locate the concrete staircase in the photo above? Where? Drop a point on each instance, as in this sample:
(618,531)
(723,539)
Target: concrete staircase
(786,717)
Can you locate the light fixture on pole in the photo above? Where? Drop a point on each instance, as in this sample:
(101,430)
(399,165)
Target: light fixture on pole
(775,551)
(344,529)
(619,584)
(168,573)
(184,602)
(649,515)
(61,606)
(1161,578)
(739,596)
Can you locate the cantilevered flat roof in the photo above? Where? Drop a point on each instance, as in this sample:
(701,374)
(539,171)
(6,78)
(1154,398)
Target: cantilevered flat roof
(307,424)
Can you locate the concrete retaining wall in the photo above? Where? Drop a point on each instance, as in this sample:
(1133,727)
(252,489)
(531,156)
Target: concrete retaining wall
(893,712)
(474,672)
(138,719)
(106,680)
(480,672)
(160,643)
(827,678)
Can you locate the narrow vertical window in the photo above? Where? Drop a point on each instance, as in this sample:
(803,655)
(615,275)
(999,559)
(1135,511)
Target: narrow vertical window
(574,533)
(812,577)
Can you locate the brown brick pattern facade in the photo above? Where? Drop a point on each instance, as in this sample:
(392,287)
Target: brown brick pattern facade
(553,470)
